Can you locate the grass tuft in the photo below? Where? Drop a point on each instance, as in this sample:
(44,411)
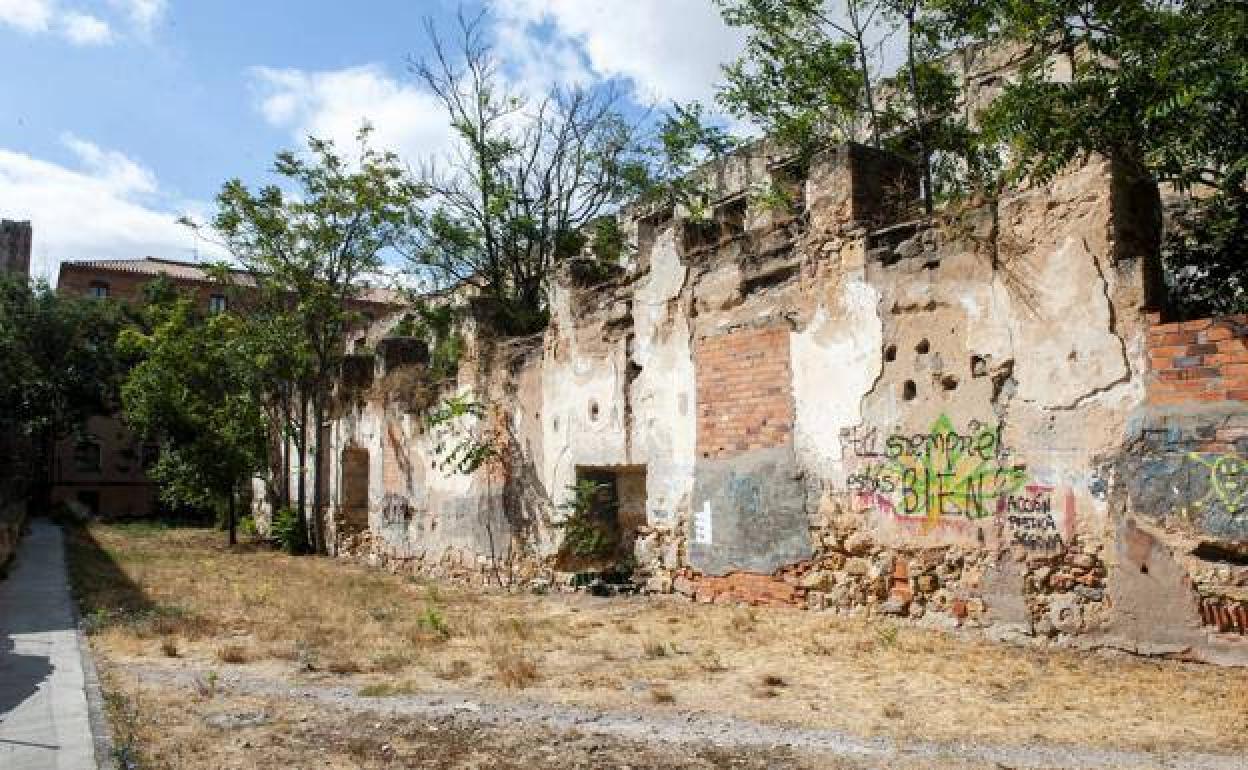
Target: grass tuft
(515,669)
(232,653)
(661,693)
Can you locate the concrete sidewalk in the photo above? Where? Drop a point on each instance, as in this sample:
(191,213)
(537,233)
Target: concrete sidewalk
(44,717)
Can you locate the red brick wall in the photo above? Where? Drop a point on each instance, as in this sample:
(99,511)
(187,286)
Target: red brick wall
(745,398)
(1198,361)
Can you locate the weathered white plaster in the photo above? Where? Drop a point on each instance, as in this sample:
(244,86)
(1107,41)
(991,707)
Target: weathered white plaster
(836,360)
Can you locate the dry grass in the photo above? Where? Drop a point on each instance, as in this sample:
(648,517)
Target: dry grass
(661,693)
(456,669)
(232,653)
(344,666)
(387,689)
(297,616)
(514,668)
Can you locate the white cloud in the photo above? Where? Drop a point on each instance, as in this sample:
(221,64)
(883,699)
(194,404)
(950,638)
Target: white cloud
(111,167)
(142,13)
(85,29)
(334,104)
(108,207)
(77,26)
(669,49)
(29,16)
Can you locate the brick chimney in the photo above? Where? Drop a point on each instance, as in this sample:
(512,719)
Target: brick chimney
(15,246)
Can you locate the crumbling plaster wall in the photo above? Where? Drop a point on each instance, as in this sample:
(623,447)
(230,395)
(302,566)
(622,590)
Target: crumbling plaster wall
(834,409)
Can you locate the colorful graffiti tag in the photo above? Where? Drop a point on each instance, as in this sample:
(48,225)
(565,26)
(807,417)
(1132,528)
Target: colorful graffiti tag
(1224,506)
(944,473)
(1173,484)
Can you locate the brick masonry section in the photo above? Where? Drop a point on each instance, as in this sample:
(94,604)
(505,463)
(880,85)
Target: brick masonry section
(745,396)
(1198,361)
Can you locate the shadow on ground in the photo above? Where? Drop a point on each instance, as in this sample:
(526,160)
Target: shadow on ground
(99,583)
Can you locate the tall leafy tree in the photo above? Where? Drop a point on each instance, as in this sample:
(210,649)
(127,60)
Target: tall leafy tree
(814,73)
(307,242)
(58,364)
(193,389)
(525,180)
(1159,86)
(804,78)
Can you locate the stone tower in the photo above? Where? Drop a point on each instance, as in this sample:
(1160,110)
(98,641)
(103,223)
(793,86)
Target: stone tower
(15,246)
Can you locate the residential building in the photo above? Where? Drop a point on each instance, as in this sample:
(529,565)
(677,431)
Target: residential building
(103,470)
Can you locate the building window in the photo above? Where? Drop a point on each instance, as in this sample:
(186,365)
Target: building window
(216,303)
(90,500)
(151,453)
(98,290)
(87,456)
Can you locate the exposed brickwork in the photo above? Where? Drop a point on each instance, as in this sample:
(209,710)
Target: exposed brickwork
(745,398)
(1226,615)
(1199,361)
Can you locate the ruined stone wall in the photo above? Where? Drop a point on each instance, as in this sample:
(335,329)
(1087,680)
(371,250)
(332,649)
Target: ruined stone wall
(953,421)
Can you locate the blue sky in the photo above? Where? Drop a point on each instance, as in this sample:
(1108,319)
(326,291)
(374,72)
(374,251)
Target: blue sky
(116,116)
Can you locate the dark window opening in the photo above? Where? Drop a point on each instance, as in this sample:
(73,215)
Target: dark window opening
(87,456)
(909,390)
(98,290)
(151,454)
(216,303)
(730,217)
(90,500)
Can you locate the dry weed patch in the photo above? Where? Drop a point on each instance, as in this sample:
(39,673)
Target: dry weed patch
(233,653)
(661,693)
(514,668)
(140,587)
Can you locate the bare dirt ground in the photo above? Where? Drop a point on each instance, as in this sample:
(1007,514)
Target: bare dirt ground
(250,658)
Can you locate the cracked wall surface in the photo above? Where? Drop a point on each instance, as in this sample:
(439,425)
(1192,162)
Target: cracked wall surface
(960,421)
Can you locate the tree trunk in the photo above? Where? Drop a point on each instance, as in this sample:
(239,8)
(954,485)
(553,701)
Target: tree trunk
(865,65)
(231,521)
(318,466)
(302,446)
(287,422)
(920,126)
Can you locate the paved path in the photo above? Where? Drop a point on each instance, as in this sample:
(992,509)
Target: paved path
(44,722)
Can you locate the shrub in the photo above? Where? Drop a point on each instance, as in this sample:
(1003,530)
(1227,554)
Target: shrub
(432,619)
(583,533)
(287,532)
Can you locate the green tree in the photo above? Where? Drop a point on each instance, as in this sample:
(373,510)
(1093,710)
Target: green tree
(59,365)
(801,84)
(1159,86)
(306,245)
(193,389)
(527,176)
(813,74)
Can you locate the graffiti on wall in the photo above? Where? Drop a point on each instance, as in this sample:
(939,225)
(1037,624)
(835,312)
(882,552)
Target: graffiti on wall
(1205,490)
(1029,515)
(943,474)
(1224,507)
